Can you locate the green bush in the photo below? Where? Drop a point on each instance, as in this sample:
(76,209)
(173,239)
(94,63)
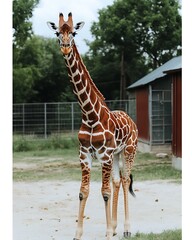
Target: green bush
(21,146)
(24,144)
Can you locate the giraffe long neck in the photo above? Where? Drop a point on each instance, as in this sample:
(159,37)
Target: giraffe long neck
(90,98)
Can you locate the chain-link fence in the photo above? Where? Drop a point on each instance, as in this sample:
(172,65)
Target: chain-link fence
(44,119)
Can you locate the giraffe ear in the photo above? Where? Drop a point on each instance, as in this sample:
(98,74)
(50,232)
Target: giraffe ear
(79,26)
(52,26)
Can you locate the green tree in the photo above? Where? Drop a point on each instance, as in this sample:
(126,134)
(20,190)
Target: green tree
(41,75)
(105,71)
(54,84)
(137,36)
(22,13)
(27,71)
(23,74)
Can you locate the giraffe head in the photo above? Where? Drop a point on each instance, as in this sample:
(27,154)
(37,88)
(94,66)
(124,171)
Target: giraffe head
(65,32)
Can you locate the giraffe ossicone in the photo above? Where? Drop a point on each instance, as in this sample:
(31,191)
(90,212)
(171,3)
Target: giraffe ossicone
(109,136)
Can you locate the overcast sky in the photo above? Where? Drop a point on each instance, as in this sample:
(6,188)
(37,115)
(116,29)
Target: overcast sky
(82,10)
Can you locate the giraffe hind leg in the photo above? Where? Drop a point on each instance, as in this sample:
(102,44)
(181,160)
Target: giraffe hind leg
(126,233)
(116,186)
(106,193)
(127,182)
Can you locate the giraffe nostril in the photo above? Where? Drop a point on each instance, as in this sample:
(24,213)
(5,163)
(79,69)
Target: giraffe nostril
(65,45)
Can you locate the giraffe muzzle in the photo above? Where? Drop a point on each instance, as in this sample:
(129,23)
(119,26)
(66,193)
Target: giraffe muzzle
(66,49)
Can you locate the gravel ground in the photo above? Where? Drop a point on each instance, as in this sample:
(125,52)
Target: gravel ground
(48,210)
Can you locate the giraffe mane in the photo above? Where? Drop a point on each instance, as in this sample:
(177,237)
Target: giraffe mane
(99,94)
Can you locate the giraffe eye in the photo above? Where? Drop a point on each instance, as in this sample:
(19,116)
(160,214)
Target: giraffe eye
(70,36)
(60,36)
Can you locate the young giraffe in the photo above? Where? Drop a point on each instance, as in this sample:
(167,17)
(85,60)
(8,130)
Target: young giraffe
(104,134)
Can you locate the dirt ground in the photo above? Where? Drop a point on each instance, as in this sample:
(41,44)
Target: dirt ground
(48,210)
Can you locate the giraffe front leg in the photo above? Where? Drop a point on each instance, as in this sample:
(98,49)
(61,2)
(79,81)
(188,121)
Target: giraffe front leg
(116,187)
(83,195)
(106,192)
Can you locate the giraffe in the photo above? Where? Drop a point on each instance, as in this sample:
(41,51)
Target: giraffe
(109,136)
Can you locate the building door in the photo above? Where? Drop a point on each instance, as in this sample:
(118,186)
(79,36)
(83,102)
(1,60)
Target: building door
(161,116)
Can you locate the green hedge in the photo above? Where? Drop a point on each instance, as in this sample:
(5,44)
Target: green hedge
(24,144)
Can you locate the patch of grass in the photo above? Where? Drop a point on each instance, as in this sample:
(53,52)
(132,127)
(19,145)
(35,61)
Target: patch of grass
(52,169)
(42,174)
(143,157)
(148,167)
(52,164)
(57,158)
(64,164)
(31,143)
(166,235)
(33,156)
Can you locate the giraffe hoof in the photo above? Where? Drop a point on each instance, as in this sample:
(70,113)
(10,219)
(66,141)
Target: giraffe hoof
(114,234)
(127,234)
(75,239)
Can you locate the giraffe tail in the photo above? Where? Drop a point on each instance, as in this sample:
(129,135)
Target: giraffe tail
(131,186)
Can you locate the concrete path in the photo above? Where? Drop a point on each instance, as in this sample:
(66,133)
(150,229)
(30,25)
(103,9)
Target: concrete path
(48,210)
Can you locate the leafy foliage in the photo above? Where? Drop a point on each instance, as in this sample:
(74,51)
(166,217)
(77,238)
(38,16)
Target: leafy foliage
(41,75)
(147,33)
(130,38)
(22,12)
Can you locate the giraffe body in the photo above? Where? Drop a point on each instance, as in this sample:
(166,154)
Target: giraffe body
(109,136)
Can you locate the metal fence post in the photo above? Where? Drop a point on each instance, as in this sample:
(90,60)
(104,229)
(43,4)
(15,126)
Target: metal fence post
(58,112)
(72,117)
(23,119)
(45,120)
(126,107)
